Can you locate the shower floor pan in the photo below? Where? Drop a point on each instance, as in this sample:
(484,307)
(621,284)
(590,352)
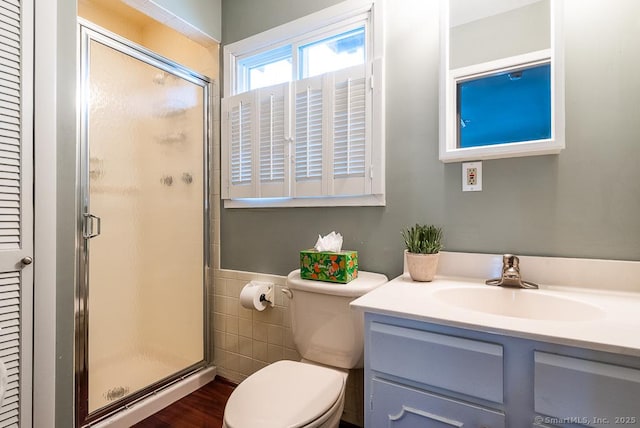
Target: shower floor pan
(111,382)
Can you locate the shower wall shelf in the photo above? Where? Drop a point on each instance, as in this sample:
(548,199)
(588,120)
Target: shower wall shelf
(170,108)
(175,137)
(114,190)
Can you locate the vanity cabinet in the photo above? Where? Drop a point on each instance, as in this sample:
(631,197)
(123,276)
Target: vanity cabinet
(420,374)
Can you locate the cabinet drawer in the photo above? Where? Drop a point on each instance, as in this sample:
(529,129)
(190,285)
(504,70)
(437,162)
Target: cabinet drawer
(461,365)
(397,406)
(596,394)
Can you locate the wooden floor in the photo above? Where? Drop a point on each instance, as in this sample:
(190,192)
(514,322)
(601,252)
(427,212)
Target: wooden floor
(203,408)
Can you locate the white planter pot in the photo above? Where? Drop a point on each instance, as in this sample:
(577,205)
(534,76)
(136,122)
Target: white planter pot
(422,267)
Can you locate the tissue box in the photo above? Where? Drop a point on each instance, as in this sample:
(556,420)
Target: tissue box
(339,267)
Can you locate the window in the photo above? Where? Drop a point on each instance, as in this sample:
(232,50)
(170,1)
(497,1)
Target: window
(302,113)
(265,69)
(333,53)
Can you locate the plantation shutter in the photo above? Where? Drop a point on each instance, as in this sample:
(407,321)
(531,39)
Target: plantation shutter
(238,131)
(274,140)
(310,137)
(16,209)
(332,148)
(351,145)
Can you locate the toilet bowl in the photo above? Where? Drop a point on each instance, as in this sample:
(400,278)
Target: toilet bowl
(330,338)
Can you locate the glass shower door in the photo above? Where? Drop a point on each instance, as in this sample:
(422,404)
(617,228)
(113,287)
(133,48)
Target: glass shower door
(145,224)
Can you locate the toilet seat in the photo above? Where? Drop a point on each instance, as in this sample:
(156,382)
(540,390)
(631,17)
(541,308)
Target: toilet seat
(285,394)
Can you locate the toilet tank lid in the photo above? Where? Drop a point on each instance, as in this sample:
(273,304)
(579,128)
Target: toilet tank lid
(365,282)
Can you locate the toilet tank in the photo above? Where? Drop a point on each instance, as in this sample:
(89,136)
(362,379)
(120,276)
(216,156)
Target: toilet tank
(325,329)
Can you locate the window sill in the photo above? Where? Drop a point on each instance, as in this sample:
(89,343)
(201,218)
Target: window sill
(500,151)
(333,201)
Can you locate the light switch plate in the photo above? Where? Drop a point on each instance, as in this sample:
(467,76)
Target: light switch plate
(472,177)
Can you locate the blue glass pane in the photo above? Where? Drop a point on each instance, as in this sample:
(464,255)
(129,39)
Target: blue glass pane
(504,108)
(333,53)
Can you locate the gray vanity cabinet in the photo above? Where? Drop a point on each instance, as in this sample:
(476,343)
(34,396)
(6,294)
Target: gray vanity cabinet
(420,374)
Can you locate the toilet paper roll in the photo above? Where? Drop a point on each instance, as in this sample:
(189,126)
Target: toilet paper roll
(250,295)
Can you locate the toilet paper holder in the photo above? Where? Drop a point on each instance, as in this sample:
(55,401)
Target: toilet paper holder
(257,295)
(267,297)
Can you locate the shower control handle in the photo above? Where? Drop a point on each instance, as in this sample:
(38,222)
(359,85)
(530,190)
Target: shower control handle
(89,220)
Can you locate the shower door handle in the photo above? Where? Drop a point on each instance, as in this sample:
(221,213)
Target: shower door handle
(87,231)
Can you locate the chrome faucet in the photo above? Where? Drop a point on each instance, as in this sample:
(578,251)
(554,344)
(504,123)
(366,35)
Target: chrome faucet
(511,274)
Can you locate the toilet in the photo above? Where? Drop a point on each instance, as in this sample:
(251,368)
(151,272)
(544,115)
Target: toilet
(329,336)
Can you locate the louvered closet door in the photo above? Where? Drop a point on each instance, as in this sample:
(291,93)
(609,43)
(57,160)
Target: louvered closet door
(16,205)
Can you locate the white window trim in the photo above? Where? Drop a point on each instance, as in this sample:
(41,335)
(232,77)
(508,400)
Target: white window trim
(332,201)
(449,152)
(310,26)
(314,27)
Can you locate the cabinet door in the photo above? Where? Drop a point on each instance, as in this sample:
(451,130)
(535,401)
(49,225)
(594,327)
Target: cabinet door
(397,406)
(592,393)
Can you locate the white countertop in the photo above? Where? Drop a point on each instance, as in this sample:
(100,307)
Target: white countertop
(615,329)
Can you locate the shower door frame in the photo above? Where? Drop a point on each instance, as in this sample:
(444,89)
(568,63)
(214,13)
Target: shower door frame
(90,32)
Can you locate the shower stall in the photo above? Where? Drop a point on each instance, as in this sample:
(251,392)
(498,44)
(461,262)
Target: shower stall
(143,232)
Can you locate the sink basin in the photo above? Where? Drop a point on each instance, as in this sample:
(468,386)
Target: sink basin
(510,302)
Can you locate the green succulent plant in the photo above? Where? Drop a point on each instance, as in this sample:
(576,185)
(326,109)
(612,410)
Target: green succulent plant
(423,239)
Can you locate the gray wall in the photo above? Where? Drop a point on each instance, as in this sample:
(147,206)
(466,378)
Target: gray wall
(581,203)
(203,14)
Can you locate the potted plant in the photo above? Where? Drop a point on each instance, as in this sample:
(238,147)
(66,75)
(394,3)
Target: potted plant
(423,244)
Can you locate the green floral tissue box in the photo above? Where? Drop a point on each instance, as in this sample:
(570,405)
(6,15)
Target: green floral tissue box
(339,267)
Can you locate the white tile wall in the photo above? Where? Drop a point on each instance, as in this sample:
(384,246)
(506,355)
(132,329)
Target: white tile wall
(246,340)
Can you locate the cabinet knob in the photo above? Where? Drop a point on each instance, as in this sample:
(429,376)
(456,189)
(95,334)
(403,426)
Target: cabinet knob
(26,260)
